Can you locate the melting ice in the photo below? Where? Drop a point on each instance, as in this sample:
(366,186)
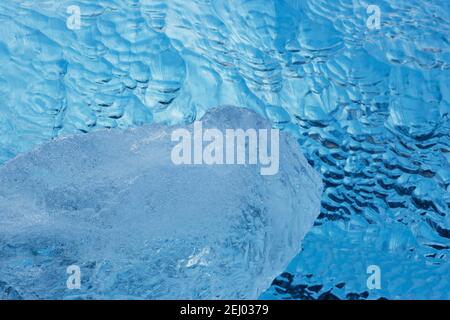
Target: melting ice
(138,226)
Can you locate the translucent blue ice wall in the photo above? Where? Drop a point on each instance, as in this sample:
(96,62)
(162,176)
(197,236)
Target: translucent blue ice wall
(364,85)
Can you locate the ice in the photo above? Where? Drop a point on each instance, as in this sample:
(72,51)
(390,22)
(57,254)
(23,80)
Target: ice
(371,109)
(138,226)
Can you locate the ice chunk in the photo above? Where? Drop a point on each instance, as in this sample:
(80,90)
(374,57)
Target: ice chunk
(137,225)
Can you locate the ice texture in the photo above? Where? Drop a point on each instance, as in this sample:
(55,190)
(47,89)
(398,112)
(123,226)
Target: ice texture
(139,226)
(370,108)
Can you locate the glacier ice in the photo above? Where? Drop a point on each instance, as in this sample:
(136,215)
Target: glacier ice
(370,108)
(138,226)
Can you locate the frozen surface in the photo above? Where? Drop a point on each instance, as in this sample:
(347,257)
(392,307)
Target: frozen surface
(139,226)
(370,108)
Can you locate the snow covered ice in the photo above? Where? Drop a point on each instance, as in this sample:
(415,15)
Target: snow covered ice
(138,226)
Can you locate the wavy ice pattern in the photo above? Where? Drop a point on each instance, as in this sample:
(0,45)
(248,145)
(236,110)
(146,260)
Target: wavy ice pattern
(370,108)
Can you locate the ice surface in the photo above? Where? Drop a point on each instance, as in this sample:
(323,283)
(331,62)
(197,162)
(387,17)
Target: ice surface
(370,107)
(139,226)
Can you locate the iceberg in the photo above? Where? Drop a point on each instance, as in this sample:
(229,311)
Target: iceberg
(113,204)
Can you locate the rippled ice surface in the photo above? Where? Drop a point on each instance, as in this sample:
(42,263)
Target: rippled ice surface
(370,108)
(139,226)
